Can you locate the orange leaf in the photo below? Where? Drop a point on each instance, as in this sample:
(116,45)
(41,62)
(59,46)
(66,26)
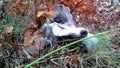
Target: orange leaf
(68,2)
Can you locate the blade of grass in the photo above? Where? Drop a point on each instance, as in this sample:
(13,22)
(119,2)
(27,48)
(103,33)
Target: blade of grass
(65,46)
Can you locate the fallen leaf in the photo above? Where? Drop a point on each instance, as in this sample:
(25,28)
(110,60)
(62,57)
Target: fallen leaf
(68,2)
(31,34)
(32,25)
(40,13)
(48,13)
(7,29)
(36,47)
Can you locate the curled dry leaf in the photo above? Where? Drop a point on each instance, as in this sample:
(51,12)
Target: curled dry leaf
(27,38)
(40,13)
(38,45)
(31,34)
(48,13)
(7,29)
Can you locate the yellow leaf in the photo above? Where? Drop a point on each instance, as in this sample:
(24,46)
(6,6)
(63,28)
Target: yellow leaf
(40,13)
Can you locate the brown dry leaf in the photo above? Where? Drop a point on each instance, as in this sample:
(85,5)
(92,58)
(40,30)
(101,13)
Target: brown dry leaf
(8,29)
(32,25)
(38,45)
(75,60)
(31,34)
(29,38)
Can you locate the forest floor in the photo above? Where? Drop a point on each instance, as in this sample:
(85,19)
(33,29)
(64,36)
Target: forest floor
(20,33)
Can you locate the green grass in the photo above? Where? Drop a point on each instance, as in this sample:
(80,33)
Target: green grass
(103,50)
(5,46)
(94,60)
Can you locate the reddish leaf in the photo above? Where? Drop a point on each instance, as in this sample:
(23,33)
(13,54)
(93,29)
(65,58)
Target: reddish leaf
(68,2)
